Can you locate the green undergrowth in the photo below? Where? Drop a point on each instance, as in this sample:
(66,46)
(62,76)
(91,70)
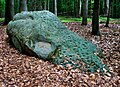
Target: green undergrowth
(116,21)
(72,19)
(1,19)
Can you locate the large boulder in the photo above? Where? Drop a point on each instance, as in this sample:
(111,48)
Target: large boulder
(41,33)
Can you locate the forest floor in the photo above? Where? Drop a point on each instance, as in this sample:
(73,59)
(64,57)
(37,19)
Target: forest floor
(20,70)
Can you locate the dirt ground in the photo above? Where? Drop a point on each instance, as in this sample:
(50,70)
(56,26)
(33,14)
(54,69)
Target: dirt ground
(20,70)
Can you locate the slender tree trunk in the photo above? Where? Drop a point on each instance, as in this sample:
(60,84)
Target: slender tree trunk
(95,19)
(23,5)
(85,12)
(106,7)
(112,9)
(45,3)
(76,8)
(16,5)
(9,11)
(35,5)
(41,7)
(108,1)
(90,8)
(108,17)
(48,5)
(115,9)
(80,7)
(55,7)
(67,8)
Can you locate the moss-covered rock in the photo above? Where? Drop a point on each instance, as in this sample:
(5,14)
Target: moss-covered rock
(42,34)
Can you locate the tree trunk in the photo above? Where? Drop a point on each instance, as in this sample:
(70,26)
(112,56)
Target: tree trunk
(34,5)
(108,1)
(95,19)
(40,7)
(91,9)
(45,3)
(85,12)
(76,8)
(48,5)
(55,7)
(115,9)
(9,11)
(16,5)
(80,3)
(23,5)
(106,7)
(108,16)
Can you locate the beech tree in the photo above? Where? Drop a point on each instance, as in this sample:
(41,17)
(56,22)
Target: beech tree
(45,4)
(106,6)
(85,12)
(55,7)
(80,3)
(108,16)
(9,11)
(48,5)
(76,8)
(95,19)
(16,6)
(23,5)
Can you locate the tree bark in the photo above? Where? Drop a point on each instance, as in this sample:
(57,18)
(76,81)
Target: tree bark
(91,9)
(95,19)
(76,8)
(115,9)
(35,6)
(9,11)
(106,7)
(85,12)
(108,1)
(80,3)
(48,5)
(45,3)
(16,5)
(23,5)
(55,7)
(108,16)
